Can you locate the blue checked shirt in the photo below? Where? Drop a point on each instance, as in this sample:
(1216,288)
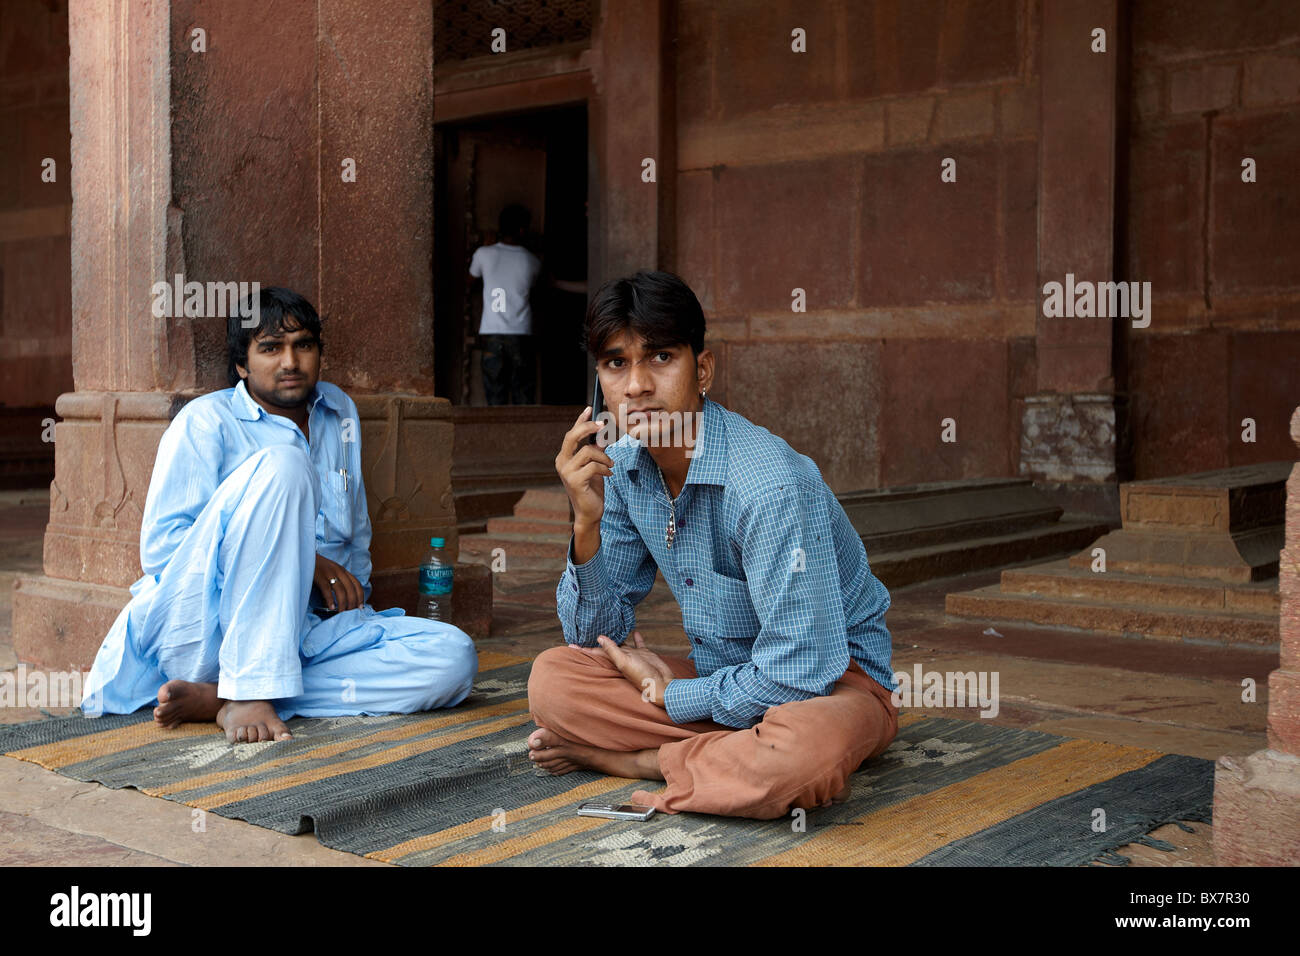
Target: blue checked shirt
(773,581)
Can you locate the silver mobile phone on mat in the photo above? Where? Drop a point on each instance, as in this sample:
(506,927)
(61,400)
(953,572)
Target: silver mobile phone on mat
(621,811)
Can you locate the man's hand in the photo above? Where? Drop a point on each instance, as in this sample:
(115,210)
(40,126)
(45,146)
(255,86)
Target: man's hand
(642,667)
(345,593)
(583,468)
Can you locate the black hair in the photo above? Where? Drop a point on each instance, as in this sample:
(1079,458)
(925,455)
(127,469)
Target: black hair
(513,221)
(657,306)
(277,310)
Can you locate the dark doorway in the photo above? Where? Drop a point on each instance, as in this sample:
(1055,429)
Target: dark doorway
(539,160)
(35,241)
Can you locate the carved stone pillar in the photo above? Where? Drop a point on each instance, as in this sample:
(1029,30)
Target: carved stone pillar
(633,119)
(1072,434)
(1257,797)
(406,442)
(181,164)
(104,452)
(131,370)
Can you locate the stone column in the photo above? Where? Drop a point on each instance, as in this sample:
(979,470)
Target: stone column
(1071,430)
(131,371)
(1257,797)
(633,119)
(225,164)
(374,93)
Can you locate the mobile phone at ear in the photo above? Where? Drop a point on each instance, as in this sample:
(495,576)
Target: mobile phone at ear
(597,407)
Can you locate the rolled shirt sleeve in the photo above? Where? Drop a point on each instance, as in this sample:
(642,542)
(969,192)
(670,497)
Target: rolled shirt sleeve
(786,541)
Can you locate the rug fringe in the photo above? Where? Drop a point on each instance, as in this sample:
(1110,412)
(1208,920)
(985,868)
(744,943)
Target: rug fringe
(1108,855)
(1113,858)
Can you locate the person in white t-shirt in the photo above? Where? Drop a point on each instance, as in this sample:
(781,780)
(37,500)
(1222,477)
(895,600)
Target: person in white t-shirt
(505,332)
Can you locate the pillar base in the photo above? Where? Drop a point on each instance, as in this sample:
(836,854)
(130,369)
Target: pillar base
(1257,810)
(472,590)
(58,624)
(1284,710)
(1073,447)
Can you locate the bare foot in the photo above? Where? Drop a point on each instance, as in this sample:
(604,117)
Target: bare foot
(183,701)
(554,754)
(251,721)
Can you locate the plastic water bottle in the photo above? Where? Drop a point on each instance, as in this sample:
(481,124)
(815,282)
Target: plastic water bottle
(435,584)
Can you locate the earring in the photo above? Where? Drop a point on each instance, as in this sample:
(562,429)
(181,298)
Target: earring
(703,392)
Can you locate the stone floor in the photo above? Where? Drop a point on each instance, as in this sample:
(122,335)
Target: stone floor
(1175,698)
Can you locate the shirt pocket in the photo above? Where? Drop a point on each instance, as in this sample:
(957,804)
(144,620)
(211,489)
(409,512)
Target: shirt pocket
(337,506)
(734,625)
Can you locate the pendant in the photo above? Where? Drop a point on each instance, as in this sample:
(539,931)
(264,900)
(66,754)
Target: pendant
(670,533)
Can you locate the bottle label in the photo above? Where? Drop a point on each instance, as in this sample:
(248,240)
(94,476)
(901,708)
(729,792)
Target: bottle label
(435,580)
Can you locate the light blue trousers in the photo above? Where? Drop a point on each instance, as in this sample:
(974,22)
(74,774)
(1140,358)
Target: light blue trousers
(230,607)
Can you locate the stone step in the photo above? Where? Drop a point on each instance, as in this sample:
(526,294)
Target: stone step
(899,568)
(947,529)
(522,562)
(1234,557)
(1225,500)
(477,505)
(473,526)
(1060,579)
(538,514)
(992,605)
(540,547)
(516,560)
(1224,525)
(919,515)
(543,545)
(515,524)
(544,503)
(955,532)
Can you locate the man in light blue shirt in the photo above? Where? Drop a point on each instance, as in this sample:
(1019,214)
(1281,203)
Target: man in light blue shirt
(788,686)
(255,546)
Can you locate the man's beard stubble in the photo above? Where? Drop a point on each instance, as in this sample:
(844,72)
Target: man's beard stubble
(276,398)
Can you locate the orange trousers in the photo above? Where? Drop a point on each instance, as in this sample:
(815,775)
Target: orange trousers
(798,756)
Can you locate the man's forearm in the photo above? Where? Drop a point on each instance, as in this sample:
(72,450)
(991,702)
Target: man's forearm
(735,696)
(586,542)
(598,612)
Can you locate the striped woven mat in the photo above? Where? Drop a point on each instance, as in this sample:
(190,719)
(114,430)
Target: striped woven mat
(455,788)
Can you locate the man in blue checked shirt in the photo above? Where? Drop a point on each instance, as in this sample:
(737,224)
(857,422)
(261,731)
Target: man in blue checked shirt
(787,690)
(255,546)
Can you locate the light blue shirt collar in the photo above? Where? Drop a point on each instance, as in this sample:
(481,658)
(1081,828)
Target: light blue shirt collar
(709,462)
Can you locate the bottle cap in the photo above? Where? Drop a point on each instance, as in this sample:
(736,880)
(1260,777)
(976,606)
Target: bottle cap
(438,542)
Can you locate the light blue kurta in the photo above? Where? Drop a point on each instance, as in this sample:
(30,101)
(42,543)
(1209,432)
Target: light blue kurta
(239,506)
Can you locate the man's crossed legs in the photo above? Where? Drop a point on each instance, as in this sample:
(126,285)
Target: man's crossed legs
(224,633)
(800,754)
